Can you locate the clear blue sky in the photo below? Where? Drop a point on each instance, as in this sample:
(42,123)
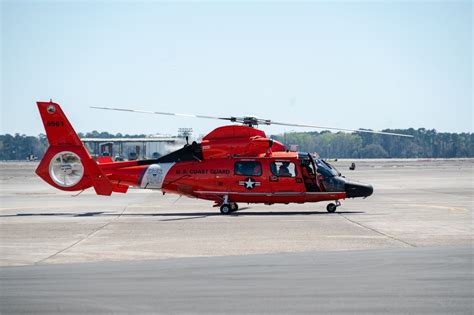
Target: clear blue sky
(344,64)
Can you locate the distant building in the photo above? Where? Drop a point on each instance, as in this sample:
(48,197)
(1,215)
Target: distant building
(132,148)
(185,132)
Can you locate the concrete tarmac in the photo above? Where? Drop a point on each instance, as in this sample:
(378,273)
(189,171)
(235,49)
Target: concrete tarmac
(415,203)
(417,206)
(395,281)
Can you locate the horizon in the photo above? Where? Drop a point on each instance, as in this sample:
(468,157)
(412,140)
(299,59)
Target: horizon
(194,136)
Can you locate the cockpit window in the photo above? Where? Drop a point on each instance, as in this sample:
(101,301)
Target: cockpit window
(325,169)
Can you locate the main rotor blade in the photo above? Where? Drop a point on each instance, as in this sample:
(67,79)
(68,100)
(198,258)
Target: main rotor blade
(161,113)
(254,121)
(341,129)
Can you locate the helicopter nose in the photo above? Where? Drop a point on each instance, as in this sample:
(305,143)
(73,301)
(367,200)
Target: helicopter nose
(354,190)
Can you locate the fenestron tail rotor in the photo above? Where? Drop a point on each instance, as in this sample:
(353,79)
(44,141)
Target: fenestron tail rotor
(252,121)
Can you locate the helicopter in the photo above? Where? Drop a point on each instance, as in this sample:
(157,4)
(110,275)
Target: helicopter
(232,164)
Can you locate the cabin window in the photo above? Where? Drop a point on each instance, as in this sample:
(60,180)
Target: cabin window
(283,169)
(248,168)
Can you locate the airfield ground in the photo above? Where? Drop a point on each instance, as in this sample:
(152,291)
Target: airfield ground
(407,248)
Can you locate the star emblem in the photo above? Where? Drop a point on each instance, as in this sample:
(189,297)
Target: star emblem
(249,183)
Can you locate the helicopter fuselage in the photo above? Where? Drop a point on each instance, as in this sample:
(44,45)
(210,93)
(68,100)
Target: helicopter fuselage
(232,164)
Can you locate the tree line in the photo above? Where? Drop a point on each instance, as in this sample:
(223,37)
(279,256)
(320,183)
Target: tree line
(425,144)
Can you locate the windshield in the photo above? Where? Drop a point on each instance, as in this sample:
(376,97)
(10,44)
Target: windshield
(326,169)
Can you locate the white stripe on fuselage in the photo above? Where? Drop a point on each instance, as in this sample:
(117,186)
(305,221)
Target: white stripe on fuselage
(155,175)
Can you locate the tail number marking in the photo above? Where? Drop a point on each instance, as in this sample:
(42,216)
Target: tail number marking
(54,123)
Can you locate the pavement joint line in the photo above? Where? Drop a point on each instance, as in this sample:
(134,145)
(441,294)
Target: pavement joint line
(376,231)
(179,219)
(41,261)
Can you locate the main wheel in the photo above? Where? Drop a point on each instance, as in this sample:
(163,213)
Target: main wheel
(225,209)
(331,208)
(234,206)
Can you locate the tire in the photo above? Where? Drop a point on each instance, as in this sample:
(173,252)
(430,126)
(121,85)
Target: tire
(225,209)
(234,206)
(331,208)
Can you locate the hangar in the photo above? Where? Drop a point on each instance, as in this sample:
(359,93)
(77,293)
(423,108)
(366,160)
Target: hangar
(132,148)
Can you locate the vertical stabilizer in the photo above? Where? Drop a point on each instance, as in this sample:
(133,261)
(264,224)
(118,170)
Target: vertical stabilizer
(66,164)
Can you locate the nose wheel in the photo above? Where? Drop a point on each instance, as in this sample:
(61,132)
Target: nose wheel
(331,208)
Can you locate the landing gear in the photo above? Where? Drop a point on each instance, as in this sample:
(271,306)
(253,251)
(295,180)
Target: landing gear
(332,207)
(225,209)
(228,207)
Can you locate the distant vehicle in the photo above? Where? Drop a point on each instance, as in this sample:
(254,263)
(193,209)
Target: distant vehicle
(232,164)
(31,157)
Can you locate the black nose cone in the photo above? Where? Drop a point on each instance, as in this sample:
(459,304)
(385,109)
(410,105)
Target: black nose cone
(354,190)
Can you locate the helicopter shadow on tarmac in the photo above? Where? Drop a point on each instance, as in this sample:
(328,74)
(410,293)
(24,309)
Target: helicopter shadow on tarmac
(178,215)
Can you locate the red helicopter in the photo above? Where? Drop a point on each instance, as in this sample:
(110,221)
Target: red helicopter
(233,164)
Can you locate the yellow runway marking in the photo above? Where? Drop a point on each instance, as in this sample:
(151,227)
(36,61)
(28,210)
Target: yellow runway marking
(355,236)
(451,209)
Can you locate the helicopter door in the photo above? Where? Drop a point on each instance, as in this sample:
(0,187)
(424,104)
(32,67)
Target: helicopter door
(248,174)
(285,178)
(309,174)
